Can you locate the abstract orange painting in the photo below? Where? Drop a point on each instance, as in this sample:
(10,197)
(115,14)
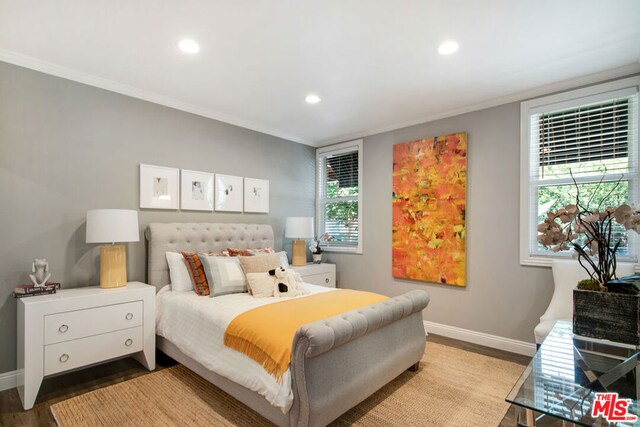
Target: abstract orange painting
(429,203)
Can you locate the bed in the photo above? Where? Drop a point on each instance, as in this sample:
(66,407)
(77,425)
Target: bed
(335,363)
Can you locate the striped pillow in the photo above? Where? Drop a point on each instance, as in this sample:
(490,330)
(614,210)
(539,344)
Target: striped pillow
(261,251)
(196,270)
(249,252)
(224,274)
(238,252)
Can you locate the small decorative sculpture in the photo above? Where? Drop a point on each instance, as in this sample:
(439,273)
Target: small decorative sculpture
(40,267)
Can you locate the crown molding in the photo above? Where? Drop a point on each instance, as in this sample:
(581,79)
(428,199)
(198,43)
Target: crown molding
(589,79)
(110,85)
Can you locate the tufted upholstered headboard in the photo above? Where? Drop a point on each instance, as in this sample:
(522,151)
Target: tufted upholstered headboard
(198,237)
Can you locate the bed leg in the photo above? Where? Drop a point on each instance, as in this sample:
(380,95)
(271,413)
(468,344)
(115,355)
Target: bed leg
(415,367)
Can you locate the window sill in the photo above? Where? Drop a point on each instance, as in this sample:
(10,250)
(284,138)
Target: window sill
(536,262)
(546,261)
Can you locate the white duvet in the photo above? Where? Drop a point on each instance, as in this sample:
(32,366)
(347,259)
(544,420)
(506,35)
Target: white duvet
(196,326)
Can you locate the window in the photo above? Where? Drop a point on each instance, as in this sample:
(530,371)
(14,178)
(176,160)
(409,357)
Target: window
(589,135)
(339,196)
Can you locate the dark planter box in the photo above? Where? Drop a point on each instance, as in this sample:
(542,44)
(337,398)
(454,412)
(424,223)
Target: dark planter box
(607,315)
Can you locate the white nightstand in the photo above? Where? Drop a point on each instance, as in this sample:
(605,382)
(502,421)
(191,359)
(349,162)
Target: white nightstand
(79,327)
(318,274)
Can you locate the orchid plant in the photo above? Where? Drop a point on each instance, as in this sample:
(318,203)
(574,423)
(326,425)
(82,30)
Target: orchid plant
(315,247)
(589,233)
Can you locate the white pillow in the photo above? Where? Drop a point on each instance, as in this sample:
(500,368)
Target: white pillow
(262,285)
(284,259)
(224,274)
(180,277)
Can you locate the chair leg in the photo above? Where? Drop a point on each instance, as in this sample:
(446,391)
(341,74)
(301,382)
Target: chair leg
(415,367)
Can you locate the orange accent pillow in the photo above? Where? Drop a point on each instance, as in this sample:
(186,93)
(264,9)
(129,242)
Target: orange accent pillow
(196,270)
(238,252)
(260,251)
(249,252)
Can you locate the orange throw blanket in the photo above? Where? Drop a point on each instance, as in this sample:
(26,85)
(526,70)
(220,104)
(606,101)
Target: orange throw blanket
(266,333)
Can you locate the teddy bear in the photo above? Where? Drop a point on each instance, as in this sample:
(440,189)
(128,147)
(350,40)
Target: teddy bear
(288,283)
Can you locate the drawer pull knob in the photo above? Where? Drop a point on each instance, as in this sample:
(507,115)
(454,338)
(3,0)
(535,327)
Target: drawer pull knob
(326,280)
(64,358)
(129,316)
(128,342)
(63,328)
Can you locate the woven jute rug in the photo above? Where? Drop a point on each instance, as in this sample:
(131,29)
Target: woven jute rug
(453,388)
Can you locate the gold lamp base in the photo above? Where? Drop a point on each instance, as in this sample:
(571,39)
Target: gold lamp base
(113,266)
(299,253)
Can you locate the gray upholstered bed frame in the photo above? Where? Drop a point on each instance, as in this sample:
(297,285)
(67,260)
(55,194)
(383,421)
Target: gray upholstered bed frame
(335,363)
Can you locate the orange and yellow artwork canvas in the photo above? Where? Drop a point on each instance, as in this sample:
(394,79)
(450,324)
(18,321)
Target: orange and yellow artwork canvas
(429,209)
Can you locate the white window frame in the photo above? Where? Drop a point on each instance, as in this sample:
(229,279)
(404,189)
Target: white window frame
(337,149)
(559,101)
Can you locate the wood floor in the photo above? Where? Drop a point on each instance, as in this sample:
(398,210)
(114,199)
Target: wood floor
(62,387)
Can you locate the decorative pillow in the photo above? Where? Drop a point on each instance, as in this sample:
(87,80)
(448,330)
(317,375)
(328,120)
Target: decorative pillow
(224,274)
(262,285)
(180,277)
(198,276)
(257,251)
(284,259)
(260,264)
(260,251)
(239,252)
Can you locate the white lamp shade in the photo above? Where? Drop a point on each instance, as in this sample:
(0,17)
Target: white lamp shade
(299,227)
(112,226)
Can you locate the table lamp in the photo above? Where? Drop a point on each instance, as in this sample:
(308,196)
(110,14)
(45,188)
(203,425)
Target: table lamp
(298,228)
(112,226)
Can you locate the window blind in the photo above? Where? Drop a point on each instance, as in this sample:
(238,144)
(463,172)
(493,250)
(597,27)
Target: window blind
(597,144)
(586,140)
(339,197)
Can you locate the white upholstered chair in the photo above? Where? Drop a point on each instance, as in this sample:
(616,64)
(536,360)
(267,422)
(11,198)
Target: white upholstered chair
(566,275)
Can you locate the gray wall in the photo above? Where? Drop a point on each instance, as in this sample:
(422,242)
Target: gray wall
(501,298)
(66,148)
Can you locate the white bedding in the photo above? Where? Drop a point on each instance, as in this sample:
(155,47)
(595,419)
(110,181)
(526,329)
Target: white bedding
(196,326)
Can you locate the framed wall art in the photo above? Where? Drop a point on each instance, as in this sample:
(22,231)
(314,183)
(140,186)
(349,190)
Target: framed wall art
(228,193)
(429,210)
(196,190)
(159,187)
(256,195)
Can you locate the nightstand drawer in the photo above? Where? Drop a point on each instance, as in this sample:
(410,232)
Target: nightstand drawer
(324,279)
(76,353)
(72,325)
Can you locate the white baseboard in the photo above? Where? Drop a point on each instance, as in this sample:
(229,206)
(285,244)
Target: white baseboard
(480,338)
(9,380)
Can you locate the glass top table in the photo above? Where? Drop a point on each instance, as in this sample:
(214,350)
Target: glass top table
(567,371)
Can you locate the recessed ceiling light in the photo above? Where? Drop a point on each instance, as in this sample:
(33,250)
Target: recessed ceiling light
(448,47)
(312,99)
(189,46)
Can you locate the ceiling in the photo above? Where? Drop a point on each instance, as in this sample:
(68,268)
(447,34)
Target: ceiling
(374,63)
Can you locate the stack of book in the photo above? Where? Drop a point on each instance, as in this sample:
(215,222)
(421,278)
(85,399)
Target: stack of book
(31,290)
